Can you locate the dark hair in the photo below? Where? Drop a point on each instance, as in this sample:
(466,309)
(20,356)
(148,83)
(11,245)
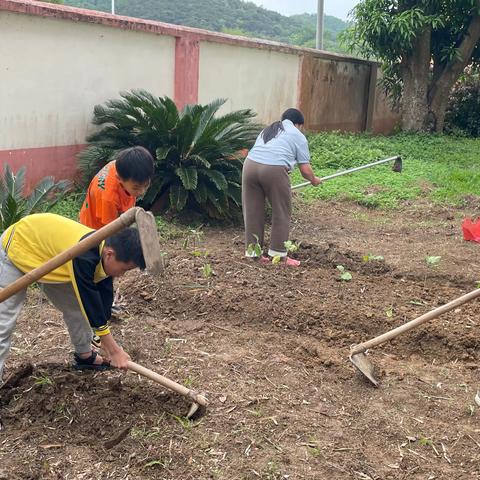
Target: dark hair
(135,163)
(127,247)
(292,114)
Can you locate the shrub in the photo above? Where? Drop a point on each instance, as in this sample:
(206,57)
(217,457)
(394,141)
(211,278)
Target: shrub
(14,205)
(463,111)
(196,151)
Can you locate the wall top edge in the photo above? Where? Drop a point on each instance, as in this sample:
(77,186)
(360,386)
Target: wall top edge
(49,10)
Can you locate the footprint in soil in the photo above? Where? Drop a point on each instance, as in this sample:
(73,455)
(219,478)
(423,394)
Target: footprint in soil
(328,254)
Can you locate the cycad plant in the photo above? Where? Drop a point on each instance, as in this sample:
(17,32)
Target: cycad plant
(14,205)
(197,152)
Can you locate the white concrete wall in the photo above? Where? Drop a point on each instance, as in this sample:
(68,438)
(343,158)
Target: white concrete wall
(263,80)
(53,72)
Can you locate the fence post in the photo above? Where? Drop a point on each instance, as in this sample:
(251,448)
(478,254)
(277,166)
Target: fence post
(371,93)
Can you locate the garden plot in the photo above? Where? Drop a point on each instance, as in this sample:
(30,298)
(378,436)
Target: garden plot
(269,346)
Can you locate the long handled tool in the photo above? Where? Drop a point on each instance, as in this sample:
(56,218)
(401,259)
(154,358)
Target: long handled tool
(148,238)
(363,364)
(153,259)
(200,403)
(397,167)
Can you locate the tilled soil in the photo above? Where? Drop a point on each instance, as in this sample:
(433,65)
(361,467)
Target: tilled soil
(269,347)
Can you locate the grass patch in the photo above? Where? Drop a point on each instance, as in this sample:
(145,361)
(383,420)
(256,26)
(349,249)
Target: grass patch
(69,206)
(443,169)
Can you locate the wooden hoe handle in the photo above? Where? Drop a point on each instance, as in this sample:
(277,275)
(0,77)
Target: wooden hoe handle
(415,323)
(123,221)
(166,382)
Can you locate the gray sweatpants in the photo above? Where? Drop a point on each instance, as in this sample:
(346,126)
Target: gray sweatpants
(259,182)
(61,295)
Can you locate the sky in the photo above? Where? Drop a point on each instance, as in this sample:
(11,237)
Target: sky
(337,8)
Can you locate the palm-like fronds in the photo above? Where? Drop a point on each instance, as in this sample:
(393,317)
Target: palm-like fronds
(14,205)
(196,151)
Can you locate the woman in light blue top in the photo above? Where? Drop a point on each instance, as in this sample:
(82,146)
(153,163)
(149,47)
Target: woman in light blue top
(278,148)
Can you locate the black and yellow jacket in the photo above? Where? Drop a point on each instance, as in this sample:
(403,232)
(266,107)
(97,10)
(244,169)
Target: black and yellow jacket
(37,238)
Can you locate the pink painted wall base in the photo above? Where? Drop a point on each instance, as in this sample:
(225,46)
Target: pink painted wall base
(59,162)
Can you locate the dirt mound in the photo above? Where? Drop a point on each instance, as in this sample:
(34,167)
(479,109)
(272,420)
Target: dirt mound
(269,347)
(329,254)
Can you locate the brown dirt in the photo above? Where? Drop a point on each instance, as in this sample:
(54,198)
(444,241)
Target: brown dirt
(269,346)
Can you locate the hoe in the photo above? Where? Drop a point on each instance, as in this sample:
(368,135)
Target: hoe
(155,264)
(357,353)
(397,167)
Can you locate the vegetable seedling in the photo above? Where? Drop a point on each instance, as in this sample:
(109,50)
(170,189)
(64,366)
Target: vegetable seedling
(254,249)
(344,274)
(433,261)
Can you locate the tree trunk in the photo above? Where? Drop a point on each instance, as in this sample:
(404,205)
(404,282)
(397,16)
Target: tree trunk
(425,94)
(442,83)
(415,75)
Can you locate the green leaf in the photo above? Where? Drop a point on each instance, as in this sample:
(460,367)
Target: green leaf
(188,176)
(197,146)
(178,197)
(276,259)
(433,260)
(217,178)
(341,268)
(346,276)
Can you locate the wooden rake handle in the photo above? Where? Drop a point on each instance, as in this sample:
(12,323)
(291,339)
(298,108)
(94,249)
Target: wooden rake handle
(415,323)
(123,221)
(166,382)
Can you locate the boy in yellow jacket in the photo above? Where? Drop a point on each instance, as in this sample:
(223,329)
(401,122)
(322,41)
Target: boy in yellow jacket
(81,289)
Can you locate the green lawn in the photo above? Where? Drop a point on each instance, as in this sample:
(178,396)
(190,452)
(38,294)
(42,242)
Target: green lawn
(441,168)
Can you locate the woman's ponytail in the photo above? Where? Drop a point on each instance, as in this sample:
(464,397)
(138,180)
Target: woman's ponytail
(292,114)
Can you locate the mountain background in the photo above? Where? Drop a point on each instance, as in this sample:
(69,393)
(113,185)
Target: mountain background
(228,16)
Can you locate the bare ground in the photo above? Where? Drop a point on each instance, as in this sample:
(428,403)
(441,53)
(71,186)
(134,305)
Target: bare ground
(269,347)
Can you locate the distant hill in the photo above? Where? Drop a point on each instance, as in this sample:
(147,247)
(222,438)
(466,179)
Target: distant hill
(229,16)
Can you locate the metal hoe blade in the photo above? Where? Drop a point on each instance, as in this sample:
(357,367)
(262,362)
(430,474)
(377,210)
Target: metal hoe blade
(149,239)
(196,411)
(363,364)
(397,165)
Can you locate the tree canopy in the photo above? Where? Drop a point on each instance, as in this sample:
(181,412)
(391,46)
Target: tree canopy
(423,47)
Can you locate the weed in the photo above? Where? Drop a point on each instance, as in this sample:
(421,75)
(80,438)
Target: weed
(69,206)
(424,441)
(43,380)
(437,168)
(183,421)
(207,270)
(153,463)
(370,257)
(389,312)
(143,433)
(201,253)
(188,382)
(193,238)
(344,274)
(168,230)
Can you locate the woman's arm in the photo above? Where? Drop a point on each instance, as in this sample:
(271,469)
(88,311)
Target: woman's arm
(307,174)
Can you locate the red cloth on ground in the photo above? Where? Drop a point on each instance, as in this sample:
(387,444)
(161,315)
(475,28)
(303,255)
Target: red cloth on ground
(471,230)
